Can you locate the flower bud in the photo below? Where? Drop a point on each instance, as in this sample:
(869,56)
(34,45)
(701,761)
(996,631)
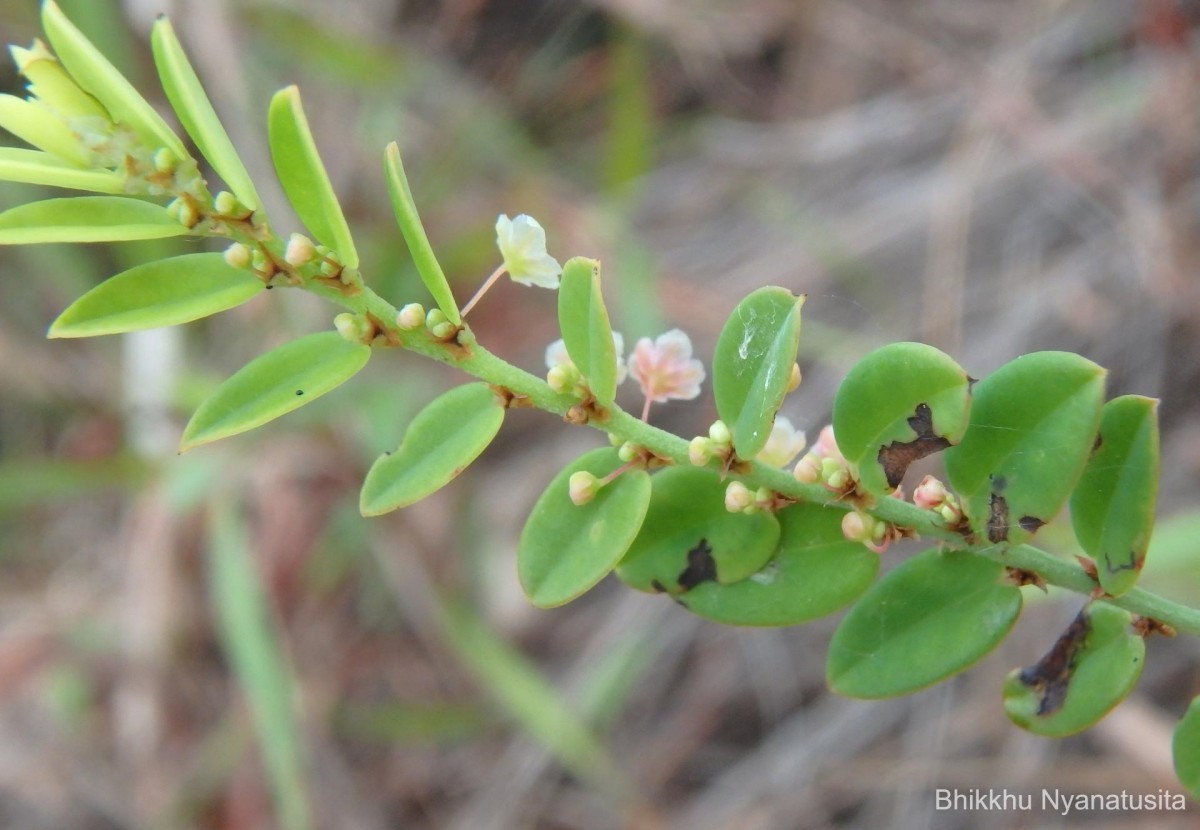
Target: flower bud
(930,494)
(627,452)
(225,203)
(300,250)
(238,255)
(839,479)
(443,331)
(351,327)
(583,487)
(808,469)
(411,317)
(719,433)
(165,160)
(559,379)
(857,527)
(794,378)
(738,497)
(435,316)
(189,217)
(700,450)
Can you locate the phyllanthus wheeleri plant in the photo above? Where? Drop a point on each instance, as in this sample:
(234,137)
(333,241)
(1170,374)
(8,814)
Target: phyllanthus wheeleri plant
(718,522)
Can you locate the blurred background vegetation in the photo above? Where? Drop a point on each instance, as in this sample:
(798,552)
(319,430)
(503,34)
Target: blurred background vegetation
(218,640)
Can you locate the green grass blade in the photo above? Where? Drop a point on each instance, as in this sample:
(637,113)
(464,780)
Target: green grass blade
(252,646)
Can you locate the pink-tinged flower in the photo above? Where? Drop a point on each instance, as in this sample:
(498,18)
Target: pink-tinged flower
(826,446)
(784,444)
(522,243)
(556,355)
(665,367)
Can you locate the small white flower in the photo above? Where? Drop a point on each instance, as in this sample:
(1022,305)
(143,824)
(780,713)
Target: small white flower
(556,355)
(665,367)
(522,243)
(784,444)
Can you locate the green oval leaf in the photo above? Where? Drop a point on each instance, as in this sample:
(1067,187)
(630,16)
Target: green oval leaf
(753,363)
(33,123)
(1091,668)
(274,384)
(1186,748)
(196,113)
(927,620)
(814,572)
(1033,423)
(414,235)
(303,175)
(162,293)
(586,331)
(1112,508)
(689,538)
(441,441)
(86,219)
(95,74)
(565,548)
(899,404)
(35,167)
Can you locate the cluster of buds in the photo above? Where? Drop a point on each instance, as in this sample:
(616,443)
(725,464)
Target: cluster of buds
(717,444)
(874,533)
(741,499)
(414,316)
(931,494)
(67,122)
(824,464)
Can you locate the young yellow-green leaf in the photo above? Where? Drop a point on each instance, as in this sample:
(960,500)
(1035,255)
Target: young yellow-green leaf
(34,123)
(753,364)
(566,548)
(86,219)
(94,74)
(586,331)
(441,441)
(1033,424)
(162,293)
(252,645)
(36,167)
(303,176)
(899,404)
(414,235)
(1112,508)
(1186,749)
(689,538)
(1091,668)
(274,384)
(814,572)
(928,619)
(196,113)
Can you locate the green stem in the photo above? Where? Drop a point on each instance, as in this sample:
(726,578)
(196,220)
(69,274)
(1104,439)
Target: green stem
(475,360)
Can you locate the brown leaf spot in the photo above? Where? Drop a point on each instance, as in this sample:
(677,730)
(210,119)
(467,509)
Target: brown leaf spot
(701,567)
(1050,677)
(896,456)
(658,587)
(1030,524)
(1020,578)
(997,523)
(1134,564)
(1099,442)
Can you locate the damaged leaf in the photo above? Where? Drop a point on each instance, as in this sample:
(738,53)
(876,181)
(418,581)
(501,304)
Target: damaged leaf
(927,620)
(1091,668)
(1112,508)
(814,572)
(753,363)
(690,539)
(899,404)
(566,548)
(1033,424)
